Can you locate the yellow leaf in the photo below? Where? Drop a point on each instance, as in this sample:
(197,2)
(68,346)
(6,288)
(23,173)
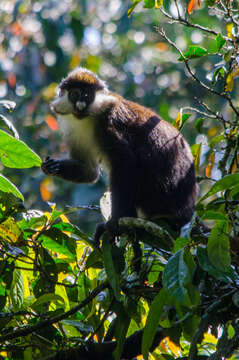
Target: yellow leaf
(229,29)
(75,60)
(9,230)
(46,189)
(166,344)
(178,121)
(235,164)
(48,93)
(158,4)
(196,151)
(229,82)
(211,162)
(209,338)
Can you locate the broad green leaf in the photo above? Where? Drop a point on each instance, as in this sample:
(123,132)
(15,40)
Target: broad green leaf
(110,266)
(215,140)
(199,124)
(131,9)
(226,183)
(218,246)
(17,290)
(47,298)
(15,153)
(152,321)
(9,230)
(176,276)
(196,151)
(193,52)
(206,265)
(52,244)
(180,243)
(8,187)
(213,215)
(149,4)
(220,41)
(122,325)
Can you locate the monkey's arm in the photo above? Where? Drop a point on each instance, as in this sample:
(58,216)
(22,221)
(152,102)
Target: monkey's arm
(71,170)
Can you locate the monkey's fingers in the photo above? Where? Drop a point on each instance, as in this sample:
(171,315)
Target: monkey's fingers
(51,167)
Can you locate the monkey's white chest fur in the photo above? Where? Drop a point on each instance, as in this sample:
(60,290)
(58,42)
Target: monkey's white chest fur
(80,135)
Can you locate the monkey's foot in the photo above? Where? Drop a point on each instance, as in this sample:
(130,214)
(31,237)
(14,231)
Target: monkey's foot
(51,166)
(111,226)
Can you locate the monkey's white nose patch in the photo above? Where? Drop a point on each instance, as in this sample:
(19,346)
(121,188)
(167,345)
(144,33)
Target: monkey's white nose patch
(62,105)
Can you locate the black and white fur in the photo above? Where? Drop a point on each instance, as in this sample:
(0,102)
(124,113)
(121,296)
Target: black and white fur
(149,163)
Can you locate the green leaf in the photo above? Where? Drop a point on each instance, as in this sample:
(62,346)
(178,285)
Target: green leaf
(176,276)
(79,325)
(122,325)
(17,290)
(213,215)
(218,247)
(220,41)
(57,242)
(193,52)
(15,153)
(216,140)
(131,9)
(149,4)
(226,183)
(207,266)
(152,322)
(110,266)
(8,187)
(47,298)
(180,243)
(199,124)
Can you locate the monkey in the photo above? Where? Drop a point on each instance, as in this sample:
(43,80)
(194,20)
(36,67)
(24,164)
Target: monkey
(148,161)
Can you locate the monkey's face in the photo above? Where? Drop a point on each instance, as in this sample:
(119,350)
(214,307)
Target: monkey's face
(75,99)
(82,94)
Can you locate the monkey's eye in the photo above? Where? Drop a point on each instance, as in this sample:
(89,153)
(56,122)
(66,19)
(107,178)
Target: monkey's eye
(74,95)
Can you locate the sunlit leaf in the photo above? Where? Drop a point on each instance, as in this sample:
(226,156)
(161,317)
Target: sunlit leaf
(227,182)
(110,266)
(230,30)
(8,187)
(158,4)
(199,124)
(4,122)
(17,290)
(193,5)
(196,151)
(15,153)
(131,9)
(79,325)
(229,82)
(218,246)
(210,165)
(149,4)
(9,230)
(193,52)
(220,41)
(152,321)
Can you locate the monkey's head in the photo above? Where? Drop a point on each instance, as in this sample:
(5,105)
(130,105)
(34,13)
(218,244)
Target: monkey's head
(82,94)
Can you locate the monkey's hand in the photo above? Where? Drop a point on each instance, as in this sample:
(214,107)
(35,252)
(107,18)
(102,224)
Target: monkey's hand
(51,166)
(111,226)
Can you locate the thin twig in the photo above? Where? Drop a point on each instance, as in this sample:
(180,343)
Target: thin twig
(26,330)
